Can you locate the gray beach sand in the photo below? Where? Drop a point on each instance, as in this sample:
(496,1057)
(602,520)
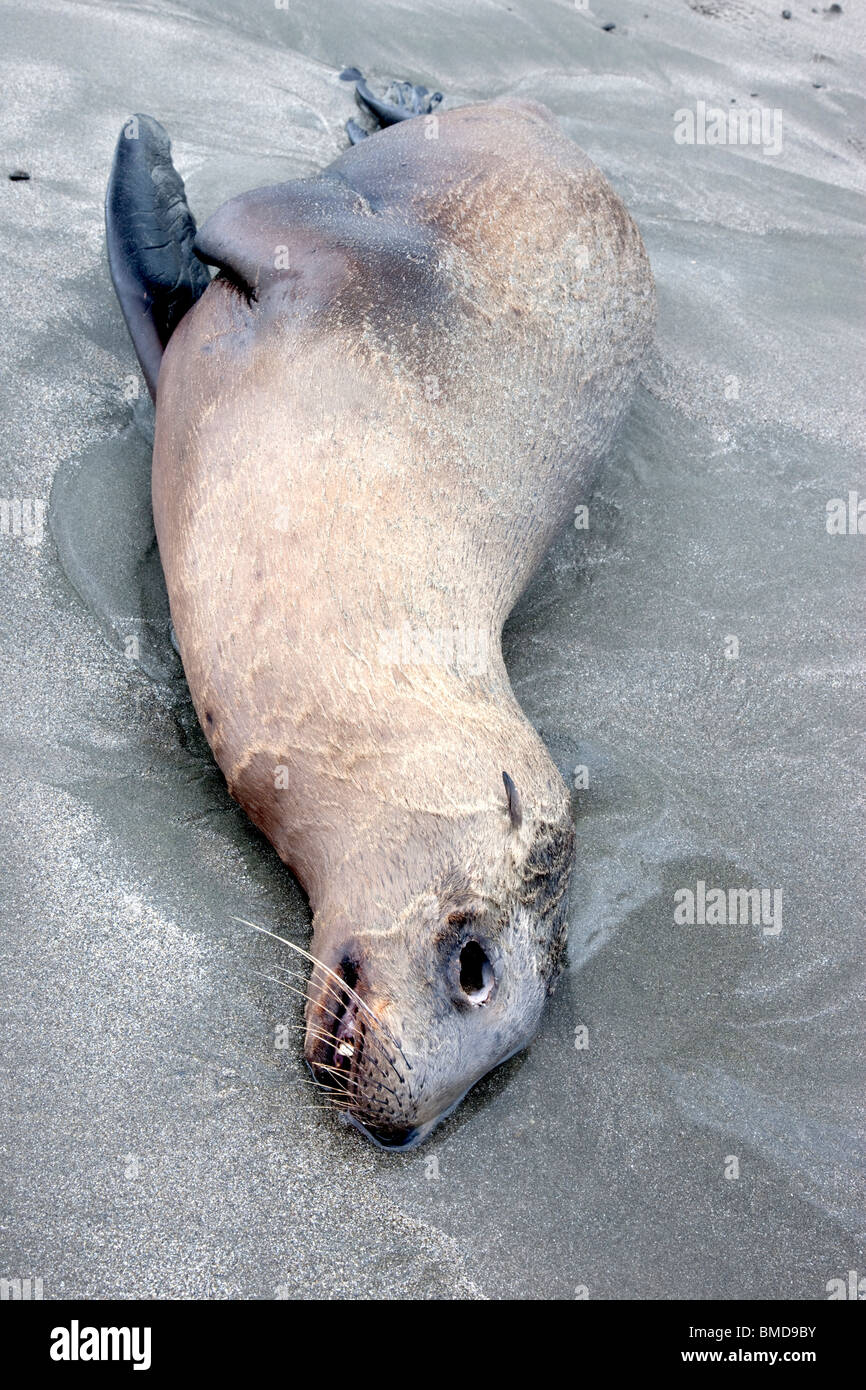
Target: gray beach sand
(708,1140)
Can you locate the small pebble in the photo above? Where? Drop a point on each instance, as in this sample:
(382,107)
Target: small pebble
(786,14)
(607,27)
(19,175)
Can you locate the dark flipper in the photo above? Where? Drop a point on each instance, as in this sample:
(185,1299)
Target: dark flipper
(150,232)
(403,102)
(355,132)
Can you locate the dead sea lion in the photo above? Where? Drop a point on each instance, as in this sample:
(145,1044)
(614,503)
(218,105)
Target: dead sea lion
(370,425)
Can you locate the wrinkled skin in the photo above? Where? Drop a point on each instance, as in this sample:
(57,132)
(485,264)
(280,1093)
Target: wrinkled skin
(369,428)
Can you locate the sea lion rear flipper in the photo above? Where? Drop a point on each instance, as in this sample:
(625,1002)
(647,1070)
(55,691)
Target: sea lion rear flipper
(404,100)
(150,232)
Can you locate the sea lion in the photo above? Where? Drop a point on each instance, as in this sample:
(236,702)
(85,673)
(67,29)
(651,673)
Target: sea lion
(369,427)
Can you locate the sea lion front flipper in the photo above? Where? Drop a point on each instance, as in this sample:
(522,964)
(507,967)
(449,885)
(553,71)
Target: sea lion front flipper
(150,232)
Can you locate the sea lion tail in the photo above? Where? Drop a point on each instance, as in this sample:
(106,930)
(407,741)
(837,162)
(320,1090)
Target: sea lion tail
(149,233)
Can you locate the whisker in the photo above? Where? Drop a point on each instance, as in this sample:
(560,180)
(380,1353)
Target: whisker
(375,1035)
(319,1109)
(372,1036)
(379,1034)
(292,988)
(328,1091)
(342,1102)
(310,999)
(324,1036)
(353,994)
(333,1071)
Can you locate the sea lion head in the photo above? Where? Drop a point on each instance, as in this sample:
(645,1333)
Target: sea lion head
(408,1011)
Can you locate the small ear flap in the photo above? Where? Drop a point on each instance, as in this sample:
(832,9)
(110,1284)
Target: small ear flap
(515,807)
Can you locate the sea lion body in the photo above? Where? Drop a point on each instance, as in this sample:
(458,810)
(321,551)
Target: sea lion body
(369,428)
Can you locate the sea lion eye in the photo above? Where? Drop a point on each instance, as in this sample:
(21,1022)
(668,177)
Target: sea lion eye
(476,973)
